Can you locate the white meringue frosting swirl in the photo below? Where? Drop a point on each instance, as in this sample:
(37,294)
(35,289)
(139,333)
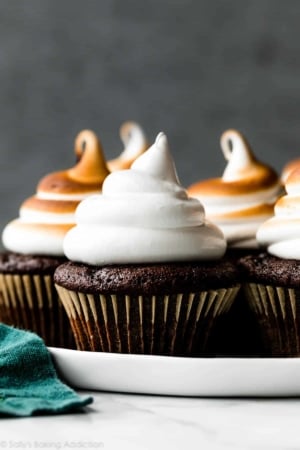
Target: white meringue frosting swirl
(281,233)
(45,217)
(244,197)
(143,216)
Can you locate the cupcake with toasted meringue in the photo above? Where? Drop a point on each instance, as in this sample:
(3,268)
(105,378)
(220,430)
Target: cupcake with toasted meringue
(146,273)
(273,277)
(239,202)
(34,244)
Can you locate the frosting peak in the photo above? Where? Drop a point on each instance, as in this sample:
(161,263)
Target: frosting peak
(238,153)
(157,161)
(143,216)
(91,166)
(45,217)
(135,144)
(244,196)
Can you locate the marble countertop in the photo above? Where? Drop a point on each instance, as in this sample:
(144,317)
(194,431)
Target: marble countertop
(136,422)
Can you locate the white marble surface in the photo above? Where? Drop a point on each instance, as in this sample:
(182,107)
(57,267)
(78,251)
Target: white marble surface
(136,422)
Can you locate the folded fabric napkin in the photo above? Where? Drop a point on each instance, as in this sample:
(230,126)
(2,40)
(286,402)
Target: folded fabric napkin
(29,384)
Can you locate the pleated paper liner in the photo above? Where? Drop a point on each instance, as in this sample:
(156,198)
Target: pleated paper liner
(177,324)
(31,302)
(277,310)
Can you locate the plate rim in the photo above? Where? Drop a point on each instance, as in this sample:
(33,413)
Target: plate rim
(178,376)
(171,358)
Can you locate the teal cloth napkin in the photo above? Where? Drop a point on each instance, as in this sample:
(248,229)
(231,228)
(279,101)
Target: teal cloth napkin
(29,384)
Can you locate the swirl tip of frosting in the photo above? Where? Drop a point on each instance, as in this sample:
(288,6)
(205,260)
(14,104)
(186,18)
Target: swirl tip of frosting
(236,137)
(91,165)
(82,137)
(135,143)
(237,152)
(242,161)
(128,128)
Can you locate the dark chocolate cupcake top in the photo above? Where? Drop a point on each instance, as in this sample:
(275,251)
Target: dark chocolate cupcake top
(18,263)
(146,279)
(270,270)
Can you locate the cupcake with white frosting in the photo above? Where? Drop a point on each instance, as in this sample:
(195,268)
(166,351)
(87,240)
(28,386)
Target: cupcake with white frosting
(34,244)
(272,279)
(146,273)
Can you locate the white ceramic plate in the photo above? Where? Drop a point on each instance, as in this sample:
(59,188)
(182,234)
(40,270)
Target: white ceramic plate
(162,375)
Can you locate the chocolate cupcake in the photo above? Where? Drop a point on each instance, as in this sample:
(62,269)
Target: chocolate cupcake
(239,202)
(272,278)
(146,273)
(34,244)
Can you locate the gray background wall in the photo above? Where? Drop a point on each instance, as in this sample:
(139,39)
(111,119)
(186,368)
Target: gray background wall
(189,67)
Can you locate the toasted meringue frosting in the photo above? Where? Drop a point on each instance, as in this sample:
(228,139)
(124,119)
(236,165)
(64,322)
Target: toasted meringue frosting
(288,169)
(245,195)
(135,143)
(45,217)
(144,215)
(281,233)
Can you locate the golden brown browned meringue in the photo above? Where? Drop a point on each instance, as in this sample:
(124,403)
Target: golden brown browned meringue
(135,143)
(243,197)
(45,217)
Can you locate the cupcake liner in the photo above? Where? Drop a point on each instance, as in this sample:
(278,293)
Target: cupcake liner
(176,324)
(277,310)
(31,302)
